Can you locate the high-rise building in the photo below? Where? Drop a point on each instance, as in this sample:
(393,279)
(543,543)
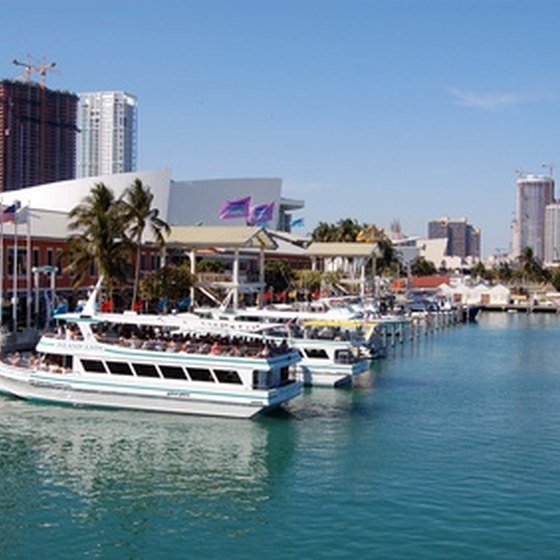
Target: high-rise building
(534,194)
(108,129)
(463,239)
(552,233)
(37,135)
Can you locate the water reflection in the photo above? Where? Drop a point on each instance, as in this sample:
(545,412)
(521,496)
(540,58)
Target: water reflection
(100,457)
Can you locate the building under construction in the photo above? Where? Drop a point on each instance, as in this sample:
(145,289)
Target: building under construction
(38,135)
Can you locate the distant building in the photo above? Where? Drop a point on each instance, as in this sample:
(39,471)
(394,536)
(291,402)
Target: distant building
(37,135)
(534,194)
(463,239)
(107,143)
(552,233)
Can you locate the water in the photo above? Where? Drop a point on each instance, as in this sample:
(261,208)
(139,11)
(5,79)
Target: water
(449,449)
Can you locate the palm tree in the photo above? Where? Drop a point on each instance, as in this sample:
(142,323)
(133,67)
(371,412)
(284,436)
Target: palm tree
(140,215)
(324,232)
(531,268)
(100,236)
(347,230)
(169,285)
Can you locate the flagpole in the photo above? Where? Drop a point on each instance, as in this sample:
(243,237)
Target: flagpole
(15,276)
(28,300)
(1,262)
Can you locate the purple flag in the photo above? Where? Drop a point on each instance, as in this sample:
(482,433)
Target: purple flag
(235,208)
(260,214)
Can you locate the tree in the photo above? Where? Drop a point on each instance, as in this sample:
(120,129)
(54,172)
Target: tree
(307,281)
(100,235)
(324,232)
(388,260)
(344,231)
(531,269)
(479,270)
(278,274)
(347,231)
(140,215)
(169,285)
(555,279)
(504,272)
(420,266)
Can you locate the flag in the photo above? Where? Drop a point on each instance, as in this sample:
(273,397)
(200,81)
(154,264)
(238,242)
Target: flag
(22,215)
(10,212)
(260,214)
(235,208)
(299,222)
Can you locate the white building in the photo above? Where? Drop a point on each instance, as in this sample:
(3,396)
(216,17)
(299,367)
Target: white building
(534,194)
(211,194)
(552,234)
(108,129)
(433,250)
(180,203)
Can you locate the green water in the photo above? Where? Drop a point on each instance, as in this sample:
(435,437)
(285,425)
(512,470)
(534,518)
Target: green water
(449,448)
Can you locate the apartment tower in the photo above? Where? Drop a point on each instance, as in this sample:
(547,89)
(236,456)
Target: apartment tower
(463,239)
(108,129)
(37,135)
(552,234)
(534,194)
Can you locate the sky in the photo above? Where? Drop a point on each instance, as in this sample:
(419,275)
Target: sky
(374,110)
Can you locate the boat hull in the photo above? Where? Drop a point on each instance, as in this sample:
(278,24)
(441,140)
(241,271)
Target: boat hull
(78,390)
(326,375)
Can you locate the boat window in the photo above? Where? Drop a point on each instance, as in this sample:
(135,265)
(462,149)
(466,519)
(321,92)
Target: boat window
(248,319)
(285,376)
(227,376)
(343,357)
(93,366)
(119,368)
(172,372)
(145,370)
(260,379)
(200,374)
(316,353)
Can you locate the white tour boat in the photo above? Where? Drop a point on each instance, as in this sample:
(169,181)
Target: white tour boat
(330,356)
(153,363)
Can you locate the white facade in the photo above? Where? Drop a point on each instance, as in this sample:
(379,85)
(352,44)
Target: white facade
(199,202)
(182,203)
(108,130)
(552,233)
(481,294)
(534,194)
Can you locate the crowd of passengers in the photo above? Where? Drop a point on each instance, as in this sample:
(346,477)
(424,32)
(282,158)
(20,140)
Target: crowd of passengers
(153,338)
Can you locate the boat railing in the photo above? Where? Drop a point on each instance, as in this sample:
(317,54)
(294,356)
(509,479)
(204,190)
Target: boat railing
(218,346)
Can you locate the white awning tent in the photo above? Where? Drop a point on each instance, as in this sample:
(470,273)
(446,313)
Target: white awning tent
(349,258)
(237,239)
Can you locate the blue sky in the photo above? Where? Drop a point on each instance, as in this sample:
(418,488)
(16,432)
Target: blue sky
(373,110)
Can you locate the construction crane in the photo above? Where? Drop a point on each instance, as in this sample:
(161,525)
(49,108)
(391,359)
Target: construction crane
(550,167)
(29,68)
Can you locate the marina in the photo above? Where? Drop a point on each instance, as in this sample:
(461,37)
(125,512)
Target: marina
(437,456)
